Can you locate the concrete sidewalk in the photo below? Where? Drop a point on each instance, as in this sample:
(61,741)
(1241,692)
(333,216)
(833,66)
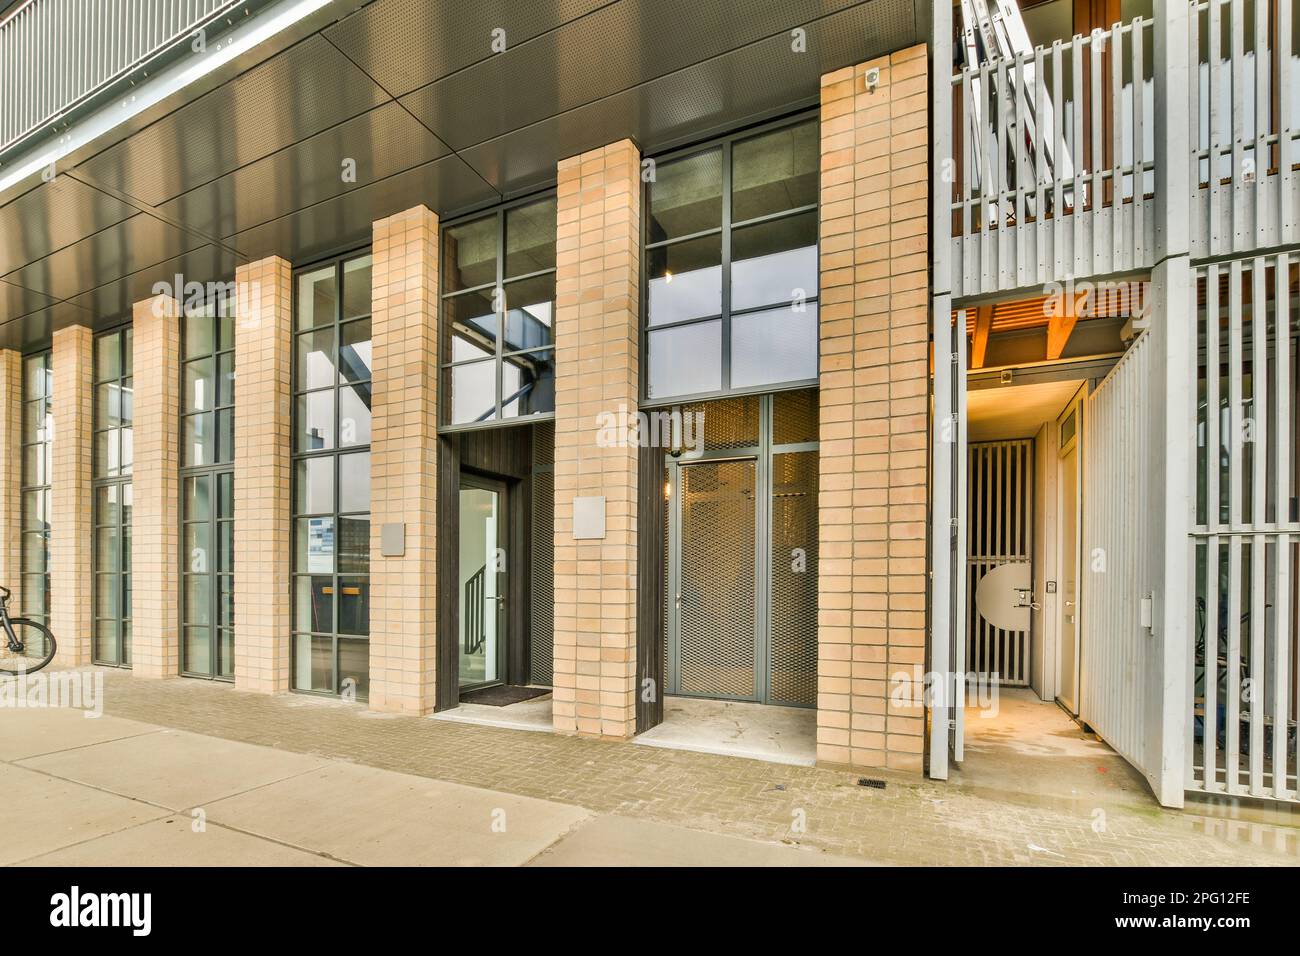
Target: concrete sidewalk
(112,792)
(296,777)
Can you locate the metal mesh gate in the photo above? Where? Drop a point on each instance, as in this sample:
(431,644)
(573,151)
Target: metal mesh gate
(1000,515)
(716,600)
(793,678)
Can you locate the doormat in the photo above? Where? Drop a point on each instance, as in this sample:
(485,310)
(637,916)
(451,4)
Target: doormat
(502,695)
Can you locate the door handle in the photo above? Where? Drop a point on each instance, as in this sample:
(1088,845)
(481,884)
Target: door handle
(678,602)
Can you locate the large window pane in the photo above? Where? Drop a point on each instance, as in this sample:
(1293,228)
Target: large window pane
(528,383)
(530,320)
(354,415)
(354,482)
(774,171)
(774,261)
(779,345)
(354,351)
(473,392)
(199,390)
(108,356)
(314,545)
(314,421)
(685,280)
(472,323)
(530,238)
(200,332)
(196,439)
(354,605)
(313,663)
(317,297)
(314,363)
(686,196)
(314,486)
(313,605)
(354,545)
(469,254)
(356,287)
(685,360)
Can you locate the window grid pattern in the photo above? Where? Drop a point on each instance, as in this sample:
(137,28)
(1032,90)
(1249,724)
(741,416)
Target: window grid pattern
(113,458)
(498,304)
(207,490)
(730,273)
(38,393)
(331,478)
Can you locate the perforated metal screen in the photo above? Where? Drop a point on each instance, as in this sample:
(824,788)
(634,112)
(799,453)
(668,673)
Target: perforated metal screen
(718,649)
(793,678)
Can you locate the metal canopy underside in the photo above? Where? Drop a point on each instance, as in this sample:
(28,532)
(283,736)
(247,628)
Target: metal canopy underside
(251,165)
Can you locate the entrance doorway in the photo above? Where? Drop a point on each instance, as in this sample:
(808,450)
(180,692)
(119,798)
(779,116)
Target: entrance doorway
(1067,684)
(484,625)
(741,553)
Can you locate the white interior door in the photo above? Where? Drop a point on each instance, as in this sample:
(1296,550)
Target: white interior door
(1067,682)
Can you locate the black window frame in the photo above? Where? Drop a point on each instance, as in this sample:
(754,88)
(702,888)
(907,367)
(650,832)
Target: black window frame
(725,229)
(214,471)
(445,365)
(334,454)
(27,488)
(123,481)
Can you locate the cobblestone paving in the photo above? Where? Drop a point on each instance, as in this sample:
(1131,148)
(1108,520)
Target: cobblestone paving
(909,822)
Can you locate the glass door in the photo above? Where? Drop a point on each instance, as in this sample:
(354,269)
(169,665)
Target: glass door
(482,581)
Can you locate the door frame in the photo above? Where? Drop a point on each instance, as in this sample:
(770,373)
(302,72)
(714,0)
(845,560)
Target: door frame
(471,480)
(673,618)
(1074,444)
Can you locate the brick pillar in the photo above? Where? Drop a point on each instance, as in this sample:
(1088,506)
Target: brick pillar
(155,591)
(874,403)
(71,538)
(403,473)
(11,475)
(263,324)
(596,338)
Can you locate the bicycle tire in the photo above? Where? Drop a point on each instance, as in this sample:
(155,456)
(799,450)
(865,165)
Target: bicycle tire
(35,663)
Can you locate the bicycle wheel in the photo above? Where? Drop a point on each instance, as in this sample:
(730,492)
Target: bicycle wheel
(35,650)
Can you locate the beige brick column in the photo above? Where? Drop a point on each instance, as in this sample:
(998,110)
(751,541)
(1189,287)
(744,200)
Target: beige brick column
(11,475)
(263,343)
(71,538)
(155,585)
(403,473)
(596,340)
(874,403)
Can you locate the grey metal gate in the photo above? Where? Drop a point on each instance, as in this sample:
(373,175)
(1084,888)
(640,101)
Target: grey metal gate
(741,554)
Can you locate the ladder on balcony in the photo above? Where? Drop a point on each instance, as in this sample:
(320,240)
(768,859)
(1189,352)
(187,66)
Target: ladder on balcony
(993,30)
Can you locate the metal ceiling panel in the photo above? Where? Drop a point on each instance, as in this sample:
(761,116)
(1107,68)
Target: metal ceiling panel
(613,49)
(113,300)
(299,93)
(118,250)
(345,221)
(33,331)
(53,215)
(440,37)
(749,84)
(381,142)
(15,301)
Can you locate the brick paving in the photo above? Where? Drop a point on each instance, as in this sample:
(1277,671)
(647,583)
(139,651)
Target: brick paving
(911,821)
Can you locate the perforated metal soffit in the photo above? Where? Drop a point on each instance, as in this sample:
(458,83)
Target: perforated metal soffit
(410,90)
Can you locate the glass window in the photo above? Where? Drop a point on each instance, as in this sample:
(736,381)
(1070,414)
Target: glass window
(498,315)
(111,510)
(731,266)
(331,477)
(207,488)
(37,434)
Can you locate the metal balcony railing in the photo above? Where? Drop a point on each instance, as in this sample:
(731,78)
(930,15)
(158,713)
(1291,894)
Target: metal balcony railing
(1054,162)
(1245,118)
(57,55)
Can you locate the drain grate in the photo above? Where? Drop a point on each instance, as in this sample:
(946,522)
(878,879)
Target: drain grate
(871,782)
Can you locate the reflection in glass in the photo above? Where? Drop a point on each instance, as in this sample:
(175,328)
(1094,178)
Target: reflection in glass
(685,280)
(774,261)
(314,363)
(530,238)
(469,254)
(473,392)
(528,383)
(686,196)
(317,297)
(775,171)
